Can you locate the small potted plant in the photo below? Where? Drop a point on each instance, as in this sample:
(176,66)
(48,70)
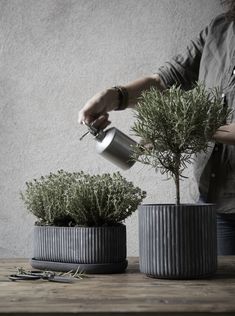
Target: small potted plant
(80,220)
(177,240)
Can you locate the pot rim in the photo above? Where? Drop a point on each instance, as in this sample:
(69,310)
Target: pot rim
(177,205)
(96,227)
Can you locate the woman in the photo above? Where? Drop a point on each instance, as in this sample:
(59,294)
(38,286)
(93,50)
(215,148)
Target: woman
(210,58)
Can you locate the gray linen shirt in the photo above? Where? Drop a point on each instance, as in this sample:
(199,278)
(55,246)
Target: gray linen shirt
(210,58)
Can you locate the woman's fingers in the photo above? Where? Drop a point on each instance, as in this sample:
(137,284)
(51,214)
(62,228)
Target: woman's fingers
(102,121)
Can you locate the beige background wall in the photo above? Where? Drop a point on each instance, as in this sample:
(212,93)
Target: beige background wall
(54,55)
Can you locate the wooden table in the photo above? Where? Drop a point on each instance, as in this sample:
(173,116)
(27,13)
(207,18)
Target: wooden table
(130,293)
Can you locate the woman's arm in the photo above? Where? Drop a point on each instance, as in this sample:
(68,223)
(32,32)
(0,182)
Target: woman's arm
(96,109)
(135,88)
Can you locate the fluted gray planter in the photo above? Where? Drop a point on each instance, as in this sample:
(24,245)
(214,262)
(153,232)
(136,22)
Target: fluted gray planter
(92,249)
(177,241)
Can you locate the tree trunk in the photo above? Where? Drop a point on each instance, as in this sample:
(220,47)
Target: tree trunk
(177,187)
(177,178)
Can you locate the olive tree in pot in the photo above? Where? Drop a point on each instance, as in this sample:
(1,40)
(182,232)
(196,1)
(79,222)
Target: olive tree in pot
(177,241)
(80,220)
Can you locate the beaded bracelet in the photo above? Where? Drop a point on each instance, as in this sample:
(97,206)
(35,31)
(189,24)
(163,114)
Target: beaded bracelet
(123,98)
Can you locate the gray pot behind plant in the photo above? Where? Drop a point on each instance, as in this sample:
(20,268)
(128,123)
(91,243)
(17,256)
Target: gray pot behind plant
(92,249)
(177,241)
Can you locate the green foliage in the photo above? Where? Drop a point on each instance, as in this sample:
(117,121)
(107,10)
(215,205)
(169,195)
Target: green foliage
(70,199)
(176,124)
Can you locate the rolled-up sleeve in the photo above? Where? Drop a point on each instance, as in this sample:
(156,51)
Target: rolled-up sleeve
(183,69)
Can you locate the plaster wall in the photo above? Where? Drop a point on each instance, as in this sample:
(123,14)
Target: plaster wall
(54,56)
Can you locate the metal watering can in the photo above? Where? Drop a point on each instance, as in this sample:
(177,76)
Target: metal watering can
(113,145)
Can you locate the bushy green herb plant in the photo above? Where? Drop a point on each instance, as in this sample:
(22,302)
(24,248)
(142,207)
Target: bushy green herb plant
(70,199)
(176,124)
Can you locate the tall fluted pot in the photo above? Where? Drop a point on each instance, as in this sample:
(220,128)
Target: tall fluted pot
(91,249)
(177,241)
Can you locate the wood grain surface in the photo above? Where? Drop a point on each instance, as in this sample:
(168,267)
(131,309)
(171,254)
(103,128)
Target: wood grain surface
(130,293)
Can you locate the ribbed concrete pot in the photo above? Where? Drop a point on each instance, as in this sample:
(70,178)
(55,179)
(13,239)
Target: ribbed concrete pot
(92,249)
(177,242)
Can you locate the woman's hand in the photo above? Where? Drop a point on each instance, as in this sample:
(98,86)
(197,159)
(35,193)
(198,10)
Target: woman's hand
(96,109)
(225,134)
